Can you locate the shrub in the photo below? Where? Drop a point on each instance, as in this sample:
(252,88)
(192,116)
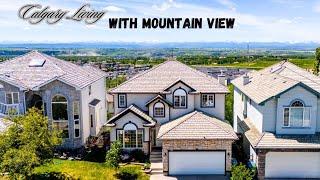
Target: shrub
(113,156)
(138,155)
(128,173)
(241,172)
(51,175)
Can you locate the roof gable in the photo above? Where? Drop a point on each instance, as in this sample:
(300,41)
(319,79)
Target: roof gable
(160,98)
(162,76)
(196,125)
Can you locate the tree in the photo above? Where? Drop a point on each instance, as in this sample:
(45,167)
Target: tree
(28,142)
(241,172)
(113,156)
(317,63)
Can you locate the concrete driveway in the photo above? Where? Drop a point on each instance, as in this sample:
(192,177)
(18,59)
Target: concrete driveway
(191,177)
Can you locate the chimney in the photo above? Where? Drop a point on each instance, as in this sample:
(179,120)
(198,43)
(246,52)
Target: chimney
(245,79)
(222,79)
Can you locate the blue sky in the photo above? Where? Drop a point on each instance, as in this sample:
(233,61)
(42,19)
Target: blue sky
(256,21)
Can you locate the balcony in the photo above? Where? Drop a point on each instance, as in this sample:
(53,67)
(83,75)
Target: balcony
(12,109)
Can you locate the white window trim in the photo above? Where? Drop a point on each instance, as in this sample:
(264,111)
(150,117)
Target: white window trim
(60,121)
(11,93)
(208,95)
(303,121)
(124,100)
(123,137)
(74,120)
(163,110)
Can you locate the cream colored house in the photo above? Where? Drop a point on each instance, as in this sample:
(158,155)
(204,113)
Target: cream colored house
(277,110)
(174,104)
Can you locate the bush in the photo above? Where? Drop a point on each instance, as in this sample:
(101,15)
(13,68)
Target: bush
(241,172)
(138,155)
(51,176)
(128,173)
(113,156)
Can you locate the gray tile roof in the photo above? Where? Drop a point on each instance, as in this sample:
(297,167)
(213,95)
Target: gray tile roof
(94,102)
(17,71)
(160,77)
(137,111)
(274,80)
(196,125)
(268,140)
(159,97)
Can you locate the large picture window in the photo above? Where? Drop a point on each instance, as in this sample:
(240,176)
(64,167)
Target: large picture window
(207,100)
(296,115)
(158,110)
(180,98)
(130,136)
(60,114)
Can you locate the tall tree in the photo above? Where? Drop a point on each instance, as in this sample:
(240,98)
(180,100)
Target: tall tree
(317,63)
(27,143)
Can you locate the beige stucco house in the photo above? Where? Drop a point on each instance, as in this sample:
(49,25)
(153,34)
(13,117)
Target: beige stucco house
(277,110)
(180,110)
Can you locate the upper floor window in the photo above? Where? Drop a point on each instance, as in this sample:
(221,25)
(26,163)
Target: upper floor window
(180,98)
(296,115)
(122,100)
(12,98)
(207,100)
(60,114)
(90,90)
(158,109)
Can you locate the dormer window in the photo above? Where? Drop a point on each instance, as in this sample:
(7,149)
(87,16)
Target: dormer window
(296,115)
(122,100)
(180,98)
(158,109)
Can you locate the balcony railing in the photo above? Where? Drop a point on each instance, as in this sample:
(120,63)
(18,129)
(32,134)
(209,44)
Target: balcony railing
(12,109)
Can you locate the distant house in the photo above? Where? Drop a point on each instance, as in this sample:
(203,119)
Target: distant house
(179,110)
(110,103)
(72,96)
(277,110)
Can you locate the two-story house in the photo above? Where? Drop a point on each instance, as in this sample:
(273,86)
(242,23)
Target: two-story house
(277,110)
(179,109)
(73,97)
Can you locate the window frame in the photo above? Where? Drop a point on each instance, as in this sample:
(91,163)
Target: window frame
(125,101)
(12,97)
(304,120)
(208,94)
(138,131)
(90,90)
(154,110)
(61,121)
(180,99)
(76,120)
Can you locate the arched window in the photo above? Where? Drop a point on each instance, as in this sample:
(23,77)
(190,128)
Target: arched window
(130,136)
(158,109)
(60,114)
(180,98)
(296,115)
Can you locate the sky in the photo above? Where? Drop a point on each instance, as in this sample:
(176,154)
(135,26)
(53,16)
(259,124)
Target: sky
(256,21)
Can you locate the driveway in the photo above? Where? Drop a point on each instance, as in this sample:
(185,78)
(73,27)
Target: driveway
(191,177)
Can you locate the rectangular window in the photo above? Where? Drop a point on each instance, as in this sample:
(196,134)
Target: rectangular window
(130,138)
(296,117)
(159,111)
(76,118)
(91,120)
(62,126)
(207,100)
(12,98)
(122,100)
(89,90)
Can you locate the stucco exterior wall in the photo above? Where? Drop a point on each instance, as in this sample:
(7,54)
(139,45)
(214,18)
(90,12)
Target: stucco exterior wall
(318,116)
(171,145)
(286,99)
(160,120)
(10,88)
(270,115)
(218,111)
(139,100)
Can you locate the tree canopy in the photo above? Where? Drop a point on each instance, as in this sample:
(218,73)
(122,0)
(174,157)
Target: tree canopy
(28,142)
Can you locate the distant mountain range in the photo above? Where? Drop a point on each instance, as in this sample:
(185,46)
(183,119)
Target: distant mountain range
(146,45)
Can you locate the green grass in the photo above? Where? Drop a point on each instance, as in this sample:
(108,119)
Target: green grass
(84,170)
(260,64)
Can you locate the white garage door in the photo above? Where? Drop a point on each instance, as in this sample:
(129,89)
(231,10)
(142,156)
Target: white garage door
(292,165)
(196,162)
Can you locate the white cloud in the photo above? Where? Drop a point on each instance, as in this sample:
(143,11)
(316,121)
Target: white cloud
(114,9)
(316,7)
(165,5)
(228,3)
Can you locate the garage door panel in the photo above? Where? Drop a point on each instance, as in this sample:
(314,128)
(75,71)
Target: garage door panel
(292,165)
(196,162)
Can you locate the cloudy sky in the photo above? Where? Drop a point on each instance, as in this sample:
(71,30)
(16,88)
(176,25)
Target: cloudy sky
(256,21)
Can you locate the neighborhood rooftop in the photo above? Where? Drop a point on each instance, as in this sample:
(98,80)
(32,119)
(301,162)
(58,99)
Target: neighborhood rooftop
(35,69)
(277,141)
(274,80)
(161,77)
(196,125)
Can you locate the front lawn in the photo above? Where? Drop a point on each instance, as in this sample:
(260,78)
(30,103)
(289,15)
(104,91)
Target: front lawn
(84,170)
